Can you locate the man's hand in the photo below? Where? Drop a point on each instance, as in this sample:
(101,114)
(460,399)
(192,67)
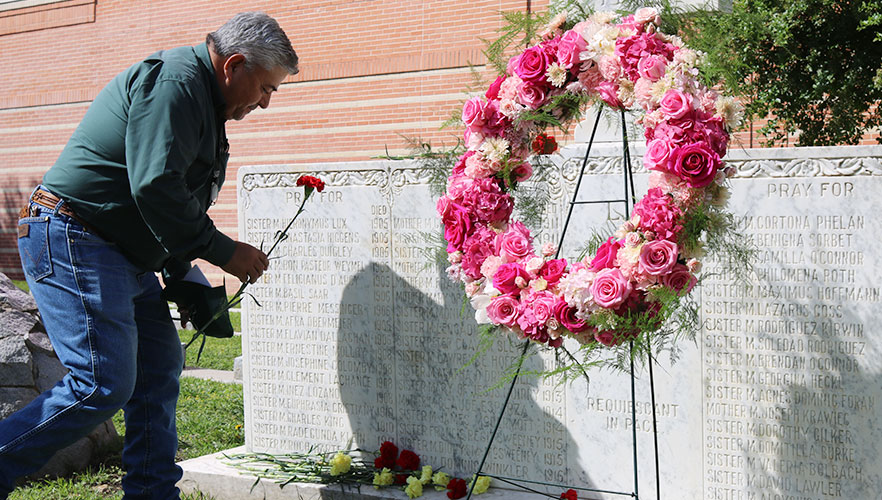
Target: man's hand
(185,316)
(247,263)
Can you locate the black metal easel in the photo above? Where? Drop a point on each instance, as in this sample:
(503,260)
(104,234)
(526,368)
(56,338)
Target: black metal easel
(628,200)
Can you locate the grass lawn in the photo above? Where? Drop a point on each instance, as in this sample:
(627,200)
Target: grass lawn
(210,419)
(218,354)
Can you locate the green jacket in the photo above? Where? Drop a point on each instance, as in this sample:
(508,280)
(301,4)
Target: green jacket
(140,166)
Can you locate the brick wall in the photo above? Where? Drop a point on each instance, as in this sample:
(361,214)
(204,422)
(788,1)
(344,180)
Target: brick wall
(371,71)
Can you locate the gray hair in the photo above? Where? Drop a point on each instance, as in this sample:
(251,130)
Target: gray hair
(259,38)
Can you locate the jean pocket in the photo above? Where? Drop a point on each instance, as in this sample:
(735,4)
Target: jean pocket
(33,246)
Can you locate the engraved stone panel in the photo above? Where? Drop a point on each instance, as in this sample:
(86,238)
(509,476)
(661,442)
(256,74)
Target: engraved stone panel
(359,336)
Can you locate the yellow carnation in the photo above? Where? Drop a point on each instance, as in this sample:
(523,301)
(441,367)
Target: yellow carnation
(383,478)
(414,487)
(482,485)
(426,476)
(440,479)
(340,464)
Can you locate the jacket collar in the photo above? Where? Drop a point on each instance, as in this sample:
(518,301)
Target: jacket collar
(204,58)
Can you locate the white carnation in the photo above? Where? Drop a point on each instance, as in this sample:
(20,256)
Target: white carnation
(495,149)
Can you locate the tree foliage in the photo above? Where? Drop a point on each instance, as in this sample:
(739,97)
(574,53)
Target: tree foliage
(814,67)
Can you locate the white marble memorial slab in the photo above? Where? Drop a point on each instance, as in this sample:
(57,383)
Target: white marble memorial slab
(359,337)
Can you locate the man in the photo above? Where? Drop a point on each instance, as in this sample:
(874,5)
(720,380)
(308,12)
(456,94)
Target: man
(128,197)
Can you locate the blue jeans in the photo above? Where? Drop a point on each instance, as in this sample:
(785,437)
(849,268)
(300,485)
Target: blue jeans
(111,329)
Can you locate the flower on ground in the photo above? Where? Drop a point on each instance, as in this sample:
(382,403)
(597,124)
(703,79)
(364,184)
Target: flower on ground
(414,487)
(569,495)
(340,464)
(457,488)
(481,485)
(426,475)
(383,478)
(440,479)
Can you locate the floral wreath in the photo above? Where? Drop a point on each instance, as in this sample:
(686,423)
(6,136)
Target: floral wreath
(651,261)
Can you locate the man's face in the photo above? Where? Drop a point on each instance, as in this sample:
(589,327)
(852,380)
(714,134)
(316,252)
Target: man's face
(246,90)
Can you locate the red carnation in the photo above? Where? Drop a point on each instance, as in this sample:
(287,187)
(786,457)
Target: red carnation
(457,488)
(311,182)
(401,479)
(408,460)
(569,495)
(544,144)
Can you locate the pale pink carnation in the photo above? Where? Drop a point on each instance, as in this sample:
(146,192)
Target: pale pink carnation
(643,92)
(610,68)
(575,288)
(491,265)
(693,265)
(478,168)
(548,250)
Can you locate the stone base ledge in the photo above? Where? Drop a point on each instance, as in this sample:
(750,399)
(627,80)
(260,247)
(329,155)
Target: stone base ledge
(220,481)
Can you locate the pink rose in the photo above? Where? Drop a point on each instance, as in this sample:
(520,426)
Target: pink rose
(566,315)
(552,271)
(513,245)
(459,168)
(571,45)
(610,288)
(658,257)
(606,254)
(504,310)
(443,206)
(532,64)
(506,277)
(457,185)
(530,95)
(457,225)
(523,171)
(652,67)
(493,90)
(657,153)
(679,279)
(676,103)
(695,163)
(473,113)
(609,338)
(609,92)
